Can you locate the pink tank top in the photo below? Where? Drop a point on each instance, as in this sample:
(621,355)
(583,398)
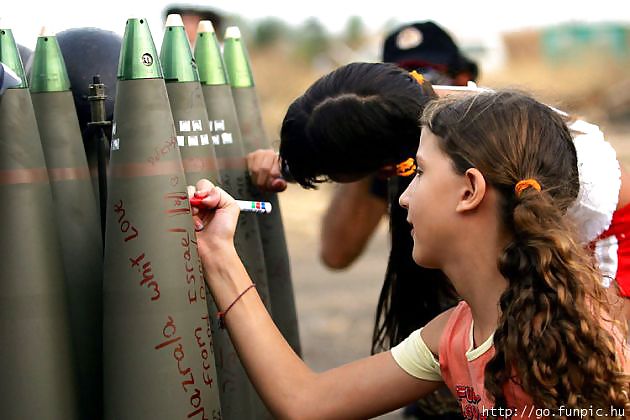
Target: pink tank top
(463,367)
(463,373)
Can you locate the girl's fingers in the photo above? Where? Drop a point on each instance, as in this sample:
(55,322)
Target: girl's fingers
(278,185)
(190,189)
(203,186)
(275,167)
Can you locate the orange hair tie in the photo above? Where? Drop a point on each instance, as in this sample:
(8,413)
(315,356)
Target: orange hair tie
(406,168)
(525,184)
(419,78)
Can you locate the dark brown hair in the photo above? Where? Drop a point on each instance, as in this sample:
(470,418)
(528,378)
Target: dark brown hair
(354,120)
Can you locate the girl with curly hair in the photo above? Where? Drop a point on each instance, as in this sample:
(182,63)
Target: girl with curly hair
(496,174)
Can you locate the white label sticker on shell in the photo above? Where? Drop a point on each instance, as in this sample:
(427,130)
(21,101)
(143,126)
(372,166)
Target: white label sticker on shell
(184,125)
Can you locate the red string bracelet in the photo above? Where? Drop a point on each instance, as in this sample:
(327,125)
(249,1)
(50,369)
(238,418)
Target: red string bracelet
(221,314)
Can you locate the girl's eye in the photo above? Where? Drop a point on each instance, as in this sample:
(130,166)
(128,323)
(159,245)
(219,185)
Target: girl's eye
(419,171)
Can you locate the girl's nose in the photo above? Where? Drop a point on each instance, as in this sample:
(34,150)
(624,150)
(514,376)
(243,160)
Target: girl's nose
(403,200)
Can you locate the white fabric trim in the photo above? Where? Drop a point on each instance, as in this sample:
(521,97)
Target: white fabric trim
(600,181)
(606,253)
(473,352)
(415,358)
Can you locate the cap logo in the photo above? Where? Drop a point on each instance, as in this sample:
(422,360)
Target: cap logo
(409,38)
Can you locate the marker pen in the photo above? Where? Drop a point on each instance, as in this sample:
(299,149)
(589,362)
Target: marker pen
(247,206)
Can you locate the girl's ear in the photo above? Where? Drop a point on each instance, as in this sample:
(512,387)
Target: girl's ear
(474,190)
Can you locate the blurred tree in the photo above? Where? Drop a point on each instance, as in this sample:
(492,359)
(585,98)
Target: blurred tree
(269,31)
(390,25)
(312,39)
(354,33)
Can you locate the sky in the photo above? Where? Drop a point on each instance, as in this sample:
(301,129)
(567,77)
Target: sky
(475,20)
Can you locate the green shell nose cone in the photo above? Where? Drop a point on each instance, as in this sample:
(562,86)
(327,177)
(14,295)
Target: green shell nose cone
(49,70)
(236,61)
(138,56)
(208,56)
(177,60)
(10,56)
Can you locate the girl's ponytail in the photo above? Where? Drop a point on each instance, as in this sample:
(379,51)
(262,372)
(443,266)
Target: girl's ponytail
(548,335)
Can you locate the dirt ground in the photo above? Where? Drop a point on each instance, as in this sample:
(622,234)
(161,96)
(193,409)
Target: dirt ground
(336,308)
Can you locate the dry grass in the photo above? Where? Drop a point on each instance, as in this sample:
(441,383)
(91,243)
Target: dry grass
(595,88)
(588,87)
(279,80)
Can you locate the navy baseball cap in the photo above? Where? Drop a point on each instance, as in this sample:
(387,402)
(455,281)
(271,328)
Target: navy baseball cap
(426,45)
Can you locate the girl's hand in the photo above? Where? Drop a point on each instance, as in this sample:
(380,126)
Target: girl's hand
(215,214)
(264,169)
